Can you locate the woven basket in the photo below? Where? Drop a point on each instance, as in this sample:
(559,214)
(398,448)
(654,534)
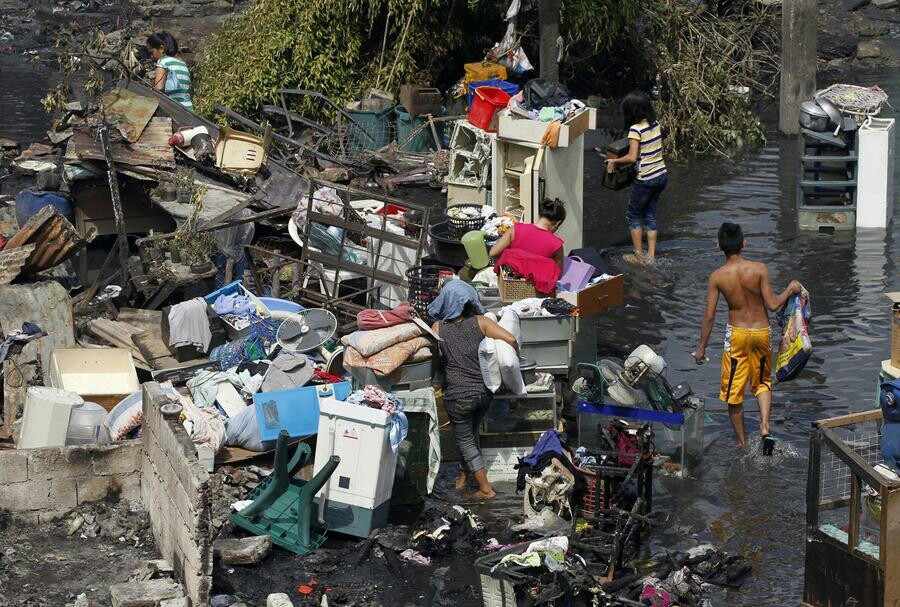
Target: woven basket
(514,289)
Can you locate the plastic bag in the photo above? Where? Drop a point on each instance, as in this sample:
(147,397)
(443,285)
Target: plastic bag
(577,273)
(796,347)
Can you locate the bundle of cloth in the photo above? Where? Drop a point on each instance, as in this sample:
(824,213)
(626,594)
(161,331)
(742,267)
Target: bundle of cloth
(385,340)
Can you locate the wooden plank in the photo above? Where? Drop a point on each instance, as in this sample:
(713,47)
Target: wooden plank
(853,528)
(155,351)
(151,150)
(890,545)
(117,334)
(853,418)
(147,320)
(813,479)
(581,123)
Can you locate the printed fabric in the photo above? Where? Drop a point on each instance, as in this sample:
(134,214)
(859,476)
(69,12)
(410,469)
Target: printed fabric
(650,158)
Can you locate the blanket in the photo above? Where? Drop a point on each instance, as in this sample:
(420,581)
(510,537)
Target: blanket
(368,320)
(387,360)
(368,343)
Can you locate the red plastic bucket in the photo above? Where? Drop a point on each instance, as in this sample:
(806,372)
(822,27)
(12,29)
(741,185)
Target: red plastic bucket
(487,100)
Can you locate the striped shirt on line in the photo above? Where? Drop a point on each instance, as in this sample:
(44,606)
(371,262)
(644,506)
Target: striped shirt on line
(178,80)
(650,158)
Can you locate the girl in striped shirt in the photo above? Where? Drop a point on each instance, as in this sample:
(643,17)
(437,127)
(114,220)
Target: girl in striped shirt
(645,151)
(172,76)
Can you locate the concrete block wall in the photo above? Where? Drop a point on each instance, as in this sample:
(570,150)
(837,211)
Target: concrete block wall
(176,493)
(41,485)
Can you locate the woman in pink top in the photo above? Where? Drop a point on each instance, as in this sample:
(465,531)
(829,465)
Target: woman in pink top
(534,249)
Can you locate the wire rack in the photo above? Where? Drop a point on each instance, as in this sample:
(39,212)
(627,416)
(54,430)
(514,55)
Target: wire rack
(836,476)
(858,101)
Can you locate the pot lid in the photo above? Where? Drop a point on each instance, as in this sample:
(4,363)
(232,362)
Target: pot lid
(813,109)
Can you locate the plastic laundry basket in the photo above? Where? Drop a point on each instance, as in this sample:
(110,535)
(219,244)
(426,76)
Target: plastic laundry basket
(487,100)
(372,130)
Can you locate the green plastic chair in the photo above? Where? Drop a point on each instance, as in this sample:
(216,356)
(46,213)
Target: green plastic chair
(283,505)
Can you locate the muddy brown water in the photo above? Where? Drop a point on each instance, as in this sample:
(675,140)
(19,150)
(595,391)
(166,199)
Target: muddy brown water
(750,505)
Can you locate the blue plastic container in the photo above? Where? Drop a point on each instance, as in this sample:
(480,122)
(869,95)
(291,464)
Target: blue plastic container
(507,87)
(275,304)
(30,201)
(295,410)
(374,123)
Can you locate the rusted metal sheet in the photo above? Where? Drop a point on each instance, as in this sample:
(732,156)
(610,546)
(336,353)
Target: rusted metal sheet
(55,240)
(151,150)
(129,111)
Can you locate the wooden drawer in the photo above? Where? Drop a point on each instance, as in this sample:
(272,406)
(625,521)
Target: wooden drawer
(592,300)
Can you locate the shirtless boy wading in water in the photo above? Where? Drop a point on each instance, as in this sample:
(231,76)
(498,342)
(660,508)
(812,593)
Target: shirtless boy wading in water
(747,356)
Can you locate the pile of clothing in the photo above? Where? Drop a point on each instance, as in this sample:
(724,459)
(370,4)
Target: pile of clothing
(237,309)
(386,339)
(376,398)
(543,306)
(441,531)
(498,225)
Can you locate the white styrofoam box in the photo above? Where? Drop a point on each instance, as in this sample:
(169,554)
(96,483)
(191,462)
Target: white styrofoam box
(359,436)
(94,371)
(499,462)
(45,421)
(875,173)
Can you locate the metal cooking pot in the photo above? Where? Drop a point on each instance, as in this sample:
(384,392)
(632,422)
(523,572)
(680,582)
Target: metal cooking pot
(834,114)
(814,117)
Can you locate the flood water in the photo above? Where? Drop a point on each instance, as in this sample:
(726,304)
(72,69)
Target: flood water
(754,506)
(751,505)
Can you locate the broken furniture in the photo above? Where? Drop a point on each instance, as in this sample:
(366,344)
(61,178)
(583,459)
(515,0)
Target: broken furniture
(282,505)
(525,172)
(469,170)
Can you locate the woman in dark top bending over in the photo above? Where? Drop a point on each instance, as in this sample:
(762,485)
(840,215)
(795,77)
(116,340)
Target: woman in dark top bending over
(461,327)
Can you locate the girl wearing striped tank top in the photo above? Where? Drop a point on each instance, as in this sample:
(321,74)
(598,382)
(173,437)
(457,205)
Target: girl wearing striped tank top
(171,76)
(646,152)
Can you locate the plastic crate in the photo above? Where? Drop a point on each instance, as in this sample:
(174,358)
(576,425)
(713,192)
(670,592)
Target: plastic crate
(540,329)
(237,287)
(497,588)
(424,285)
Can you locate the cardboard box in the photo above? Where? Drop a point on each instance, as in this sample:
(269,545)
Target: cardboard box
(593,299)
(895,328)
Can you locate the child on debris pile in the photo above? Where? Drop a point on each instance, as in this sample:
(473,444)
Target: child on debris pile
(172,76)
